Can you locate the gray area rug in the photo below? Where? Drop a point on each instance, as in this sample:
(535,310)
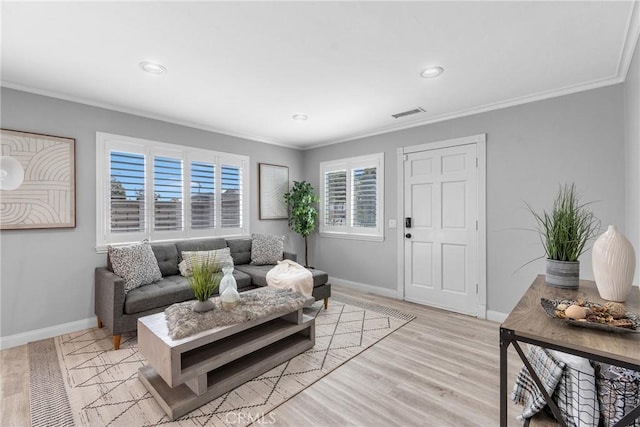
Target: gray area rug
(101,386)
(51,408)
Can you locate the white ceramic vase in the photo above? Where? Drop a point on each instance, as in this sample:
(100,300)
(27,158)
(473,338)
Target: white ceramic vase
(229,295)
(614,264)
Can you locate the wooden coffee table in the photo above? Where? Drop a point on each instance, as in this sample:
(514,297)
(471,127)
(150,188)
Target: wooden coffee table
(185,374)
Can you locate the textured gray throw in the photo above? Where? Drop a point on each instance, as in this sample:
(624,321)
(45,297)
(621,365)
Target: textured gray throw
(182,321)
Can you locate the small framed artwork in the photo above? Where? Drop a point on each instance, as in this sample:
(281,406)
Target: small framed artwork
(37,181)
(273,184)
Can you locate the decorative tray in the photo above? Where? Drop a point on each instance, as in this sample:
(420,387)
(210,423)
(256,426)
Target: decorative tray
(592,321)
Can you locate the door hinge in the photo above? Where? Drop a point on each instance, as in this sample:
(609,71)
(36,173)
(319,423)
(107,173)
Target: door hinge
(476,225)
(476,162)
(476,288)
(406,157)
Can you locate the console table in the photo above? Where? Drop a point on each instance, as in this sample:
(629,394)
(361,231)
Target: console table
(185,374)
(528,323)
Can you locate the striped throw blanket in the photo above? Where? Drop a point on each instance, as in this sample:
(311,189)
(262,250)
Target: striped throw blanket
(525,392)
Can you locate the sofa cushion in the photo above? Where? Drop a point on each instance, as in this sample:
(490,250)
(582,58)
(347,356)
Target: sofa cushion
(243,280)
(169,290)
(240,250)
(200,245)
(167,257)
(266,249)
(258,274)
(136,264)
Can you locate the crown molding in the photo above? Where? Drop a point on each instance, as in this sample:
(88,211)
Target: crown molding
(633,36)
(140,113)
(540,96)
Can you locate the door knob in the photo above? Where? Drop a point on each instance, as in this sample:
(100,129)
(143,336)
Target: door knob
(408,235)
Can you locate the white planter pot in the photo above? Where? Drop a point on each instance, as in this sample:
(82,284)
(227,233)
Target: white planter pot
(614,264)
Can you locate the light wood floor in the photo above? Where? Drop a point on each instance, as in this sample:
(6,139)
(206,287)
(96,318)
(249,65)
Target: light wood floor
(441,369)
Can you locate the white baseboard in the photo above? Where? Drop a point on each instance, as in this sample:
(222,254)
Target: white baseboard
(362,287)
(44,333)
(496,316)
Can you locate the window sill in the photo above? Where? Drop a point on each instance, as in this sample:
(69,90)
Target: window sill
(350,236)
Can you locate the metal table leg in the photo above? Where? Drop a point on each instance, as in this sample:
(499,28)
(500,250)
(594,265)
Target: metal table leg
(506,337)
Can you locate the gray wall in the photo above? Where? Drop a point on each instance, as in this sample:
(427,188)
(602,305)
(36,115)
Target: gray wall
(47,275)
(531,149)
(632,137)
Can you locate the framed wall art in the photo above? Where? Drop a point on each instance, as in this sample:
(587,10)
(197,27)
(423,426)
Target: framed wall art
(37,181)
(273,184)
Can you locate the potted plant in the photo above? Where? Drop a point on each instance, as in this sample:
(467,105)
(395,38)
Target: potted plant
(204,281)
(303,214)
(564,233)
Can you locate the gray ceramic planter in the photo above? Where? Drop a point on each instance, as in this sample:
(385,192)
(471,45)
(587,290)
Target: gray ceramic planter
(203,306)
(563,274)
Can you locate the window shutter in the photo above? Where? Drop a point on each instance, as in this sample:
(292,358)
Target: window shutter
(203,198)
(127,195)
(335,203)
(363,197)
(161,192)
(352,198)
(231,197)
(167,193)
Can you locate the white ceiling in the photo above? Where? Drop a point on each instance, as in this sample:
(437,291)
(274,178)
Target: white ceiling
(244,68)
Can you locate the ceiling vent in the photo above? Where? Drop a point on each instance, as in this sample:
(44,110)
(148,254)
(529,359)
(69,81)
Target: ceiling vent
(408,113)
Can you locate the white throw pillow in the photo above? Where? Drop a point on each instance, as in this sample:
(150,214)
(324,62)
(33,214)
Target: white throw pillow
(182,266)
(266,250)
(136,264)
(220,257)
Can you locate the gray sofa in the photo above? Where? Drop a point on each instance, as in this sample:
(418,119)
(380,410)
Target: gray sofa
(119,311)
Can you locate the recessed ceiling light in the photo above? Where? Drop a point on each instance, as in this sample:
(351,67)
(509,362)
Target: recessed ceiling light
(300,117)
(152,68)
(432,72)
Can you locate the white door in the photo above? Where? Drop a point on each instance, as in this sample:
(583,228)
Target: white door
(441,199)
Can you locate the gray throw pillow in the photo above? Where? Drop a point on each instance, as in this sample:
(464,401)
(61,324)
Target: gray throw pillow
(136,264)
(266,249)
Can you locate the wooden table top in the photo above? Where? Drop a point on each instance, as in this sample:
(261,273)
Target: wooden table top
(529,320)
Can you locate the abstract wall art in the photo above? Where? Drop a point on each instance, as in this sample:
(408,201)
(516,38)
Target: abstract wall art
(273,183)
(37,181)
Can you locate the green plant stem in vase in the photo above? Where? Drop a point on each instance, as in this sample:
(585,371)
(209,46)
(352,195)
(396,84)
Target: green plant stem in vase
(204,282)
(564,233)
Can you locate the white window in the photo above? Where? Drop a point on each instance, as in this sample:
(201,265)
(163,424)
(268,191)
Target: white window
(158,191)
(351,198)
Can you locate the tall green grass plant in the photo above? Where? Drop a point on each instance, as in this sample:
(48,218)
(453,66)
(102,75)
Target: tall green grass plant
(565,231)
(204,281)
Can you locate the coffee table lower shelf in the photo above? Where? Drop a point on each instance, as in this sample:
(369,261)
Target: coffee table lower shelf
(181,399)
